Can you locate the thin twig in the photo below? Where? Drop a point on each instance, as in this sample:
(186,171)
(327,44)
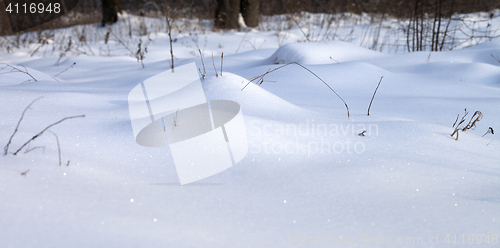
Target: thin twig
(497,59)
(175,117)
(334,59)
(14,69)
(169,26)
(58,147)
(300,28)
(40,133)
(221,62)
(241,43)
(71,66)
(203,63)
(6,148)
(123,44)
(261,80)
(490,130)
(458,115)
(36,147)
(213,63)
(25,173)
(374,94)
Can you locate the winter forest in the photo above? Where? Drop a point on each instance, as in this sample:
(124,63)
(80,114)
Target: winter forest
(240,123)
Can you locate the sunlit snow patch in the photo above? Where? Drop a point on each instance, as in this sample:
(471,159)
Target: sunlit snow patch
(205,138)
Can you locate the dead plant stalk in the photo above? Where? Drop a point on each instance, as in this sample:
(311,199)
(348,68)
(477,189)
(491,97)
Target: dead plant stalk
(45,129)
(375,92)
(260,80)
(6,148)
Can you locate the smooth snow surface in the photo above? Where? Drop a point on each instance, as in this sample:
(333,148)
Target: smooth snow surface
(308,175)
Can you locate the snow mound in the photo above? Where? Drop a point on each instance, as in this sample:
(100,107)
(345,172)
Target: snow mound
(321,53)
(253,99)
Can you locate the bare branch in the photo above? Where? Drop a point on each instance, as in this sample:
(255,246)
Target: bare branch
(58,146)
(6,148)
(307,37)
(204,73)
(221,62)
(36,147)
(169,27)
(14,69)
(71,66)
(260,80)
(40,133)
(213,62)
(374,94)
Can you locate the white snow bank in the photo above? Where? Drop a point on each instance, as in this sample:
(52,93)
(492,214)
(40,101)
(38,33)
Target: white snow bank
(321,53)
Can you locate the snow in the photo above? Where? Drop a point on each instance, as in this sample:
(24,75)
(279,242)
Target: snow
(307,174)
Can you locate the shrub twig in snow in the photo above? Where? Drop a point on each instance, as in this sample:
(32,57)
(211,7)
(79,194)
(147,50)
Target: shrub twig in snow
(71,66)
(260,80)
(49,126)
(169,27)
(204,73)
(334,59)
(307,37)
(15,69)
(58,146)
(141,51)
(213,63)
(221,62)
(68,48)
(375,92)
(6,148)
(490,130)
(175,117)
(496,58)
(477,116)
(36,147)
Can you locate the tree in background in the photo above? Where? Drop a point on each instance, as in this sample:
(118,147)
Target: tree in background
(227,13)
(110,10)
(250,11)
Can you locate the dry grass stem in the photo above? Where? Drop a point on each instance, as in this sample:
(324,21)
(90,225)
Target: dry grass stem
(45,129)
(477,116)
(204,73)
(213,62)
(375,92)
(260,79)
(58,147)
(6,148)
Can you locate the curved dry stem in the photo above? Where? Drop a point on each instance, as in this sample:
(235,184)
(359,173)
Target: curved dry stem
(49,126)
(6,148)
(260,80)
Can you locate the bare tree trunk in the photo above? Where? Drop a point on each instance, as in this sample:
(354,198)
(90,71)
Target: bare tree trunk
(250,11)
(227,13)
(439,24)
(119,6)
(109,12)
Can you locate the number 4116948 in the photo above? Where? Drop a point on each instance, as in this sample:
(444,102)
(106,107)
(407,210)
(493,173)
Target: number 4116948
(33,8)
(472,239)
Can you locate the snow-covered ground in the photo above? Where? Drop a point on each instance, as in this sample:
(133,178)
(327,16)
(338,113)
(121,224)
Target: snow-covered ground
(308,175)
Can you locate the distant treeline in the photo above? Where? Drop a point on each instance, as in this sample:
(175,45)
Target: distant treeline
(89,11)
(398,8)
